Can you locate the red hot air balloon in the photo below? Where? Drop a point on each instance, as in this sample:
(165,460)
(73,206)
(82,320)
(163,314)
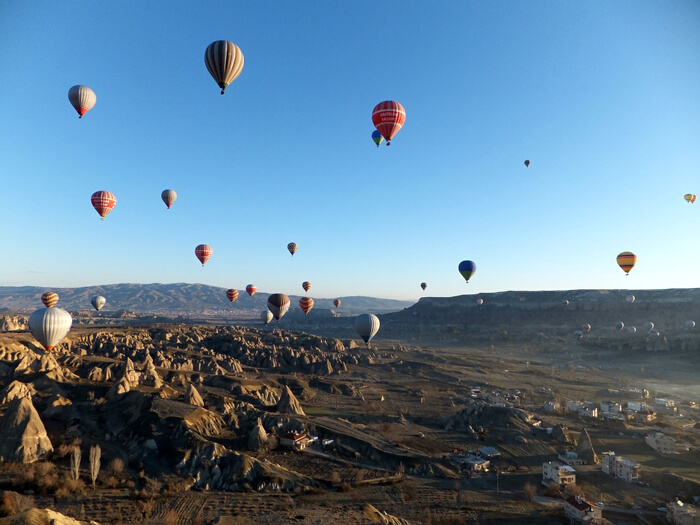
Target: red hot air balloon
(388,117)
(203,253)
(232,294)
(336,303)
(103,202)
(49,299)
(251,289)
(306,304)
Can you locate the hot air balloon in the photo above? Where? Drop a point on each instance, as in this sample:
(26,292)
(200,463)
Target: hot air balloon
(586,328)
(278,304)
(49,326)
(306,304)
(306,285)
(467,269)
(292,247)
(565,302)
(649,326)
(619,325)
(629,299)
(98,302)
(631,329)
(232,294)
(251,289)
(224,61)
(690,325)
(578,333)
(367,326)
(377,137)
(388,117)
(203,253)
(169,197)
(266,316)
(424,285)
(49,299)
(82,99)
(626,261)
(690,198)
(336,303)
(479,301)
(103,202)
(654,333)
(527,163)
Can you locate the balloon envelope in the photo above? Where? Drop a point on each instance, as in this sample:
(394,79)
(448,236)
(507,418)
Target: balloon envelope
(367,325)
(424,285)
(690,325)
(377,137)
(306,285)
(203,253)
(98,302)
(278,304)
(266,316)
(82,98)
(630,299)
(527,163)
(467,269)
(388,117)
(619,325)
(586,328)
(49,299)
(631,329)
(104,202)
(292,247)
(336,303)
(232,294)
(306,304)
(169,197)
(626,261)
(565,302)
(49,326)
(649,325)
(224,60)
(251,289)
(479,301)
(689,197)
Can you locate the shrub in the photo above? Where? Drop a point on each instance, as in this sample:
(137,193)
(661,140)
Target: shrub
(116,466)
(345,487)
(530,491)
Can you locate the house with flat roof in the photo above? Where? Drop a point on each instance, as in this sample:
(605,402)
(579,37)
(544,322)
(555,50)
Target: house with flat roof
(554,471)
(620,467)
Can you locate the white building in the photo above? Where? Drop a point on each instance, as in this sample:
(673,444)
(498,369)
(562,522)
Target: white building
(587,411)
(550,406)
(679,513)
(477,464)
(558,473)
(573,406)
(572,459)
(661,443)
(637,406)
(617,466)
(578,510)
(610,407)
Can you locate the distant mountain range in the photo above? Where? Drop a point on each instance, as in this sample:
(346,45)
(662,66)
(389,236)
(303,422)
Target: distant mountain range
(179,299)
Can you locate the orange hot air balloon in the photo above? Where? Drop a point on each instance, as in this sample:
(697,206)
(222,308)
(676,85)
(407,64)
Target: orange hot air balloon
(103,202)
(251,289)
(292,247)
(232,294)
(306,285)
(336,303)
(203,253)
(626,261)
(388,117)
(690,198)
(49,299)
(306,304)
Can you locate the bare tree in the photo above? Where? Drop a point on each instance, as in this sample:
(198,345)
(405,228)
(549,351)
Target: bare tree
(530,491)
(95,455)
(75,458)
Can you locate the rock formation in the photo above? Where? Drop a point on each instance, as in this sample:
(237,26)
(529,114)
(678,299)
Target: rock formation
(14,390)
(23,437)
(150,374)
(193,397)
(130,373)
(258,437)
(382,518)
(288,403)
(39,517)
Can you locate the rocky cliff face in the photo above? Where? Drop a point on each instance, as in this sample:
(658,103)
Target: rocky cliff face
(23,437)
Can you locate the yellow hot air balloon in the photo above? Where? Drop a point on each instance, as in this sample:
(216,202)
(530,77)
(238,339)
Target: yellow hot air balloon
(626,261)
(49,299)
(690,198)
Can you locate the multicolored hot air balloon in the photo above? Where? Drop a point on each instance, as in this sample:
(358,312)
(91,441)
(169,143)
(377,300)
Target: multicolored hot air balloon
(292,247)
(232,294)
(619,325)
(49,299)
(336,303)
(104,202)
(224,61)
(306,285)
(467,269)
(278,304)
(266,316)
(690,198)
(49,326)
(479,301)
(690,325)
(367,325)
(306,304)
(527,163)
(388,117)
(626,261)
(377,137)
(251,289)
(630,299)
(98,302)
(423,285)
(203,253)
(169,197)
(82,98)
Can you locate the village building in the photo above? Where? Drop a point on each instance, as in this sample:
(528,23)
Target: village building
(679,513)
(294,440)
(477,464)
(637,406)
(573,406)
(622,468)
(578,510)
(550,406)
(661,443)
(554,471)
(587,411)
(572,459)
(489,452)
(645,416)
(610,407)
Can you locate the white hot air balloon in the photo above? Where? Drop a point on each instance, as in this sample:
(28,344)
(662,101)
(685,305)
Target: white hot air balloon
(98,302)
(578,333)
(479,301)
(690,325)
(629,299)
(266,316)
(82,98)
(586,328)
(49,326)
(631,329)
(367,325)
(168,197)
(619,325)
(648,326)
(654,333)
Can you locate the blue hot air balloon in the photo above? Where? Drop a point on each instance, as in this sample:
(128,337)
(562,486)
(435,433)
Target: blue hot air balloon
(377,137)
(467,269)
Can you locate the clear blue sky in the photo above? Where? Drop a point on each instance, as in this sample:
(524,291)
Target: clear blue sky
(602,97)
